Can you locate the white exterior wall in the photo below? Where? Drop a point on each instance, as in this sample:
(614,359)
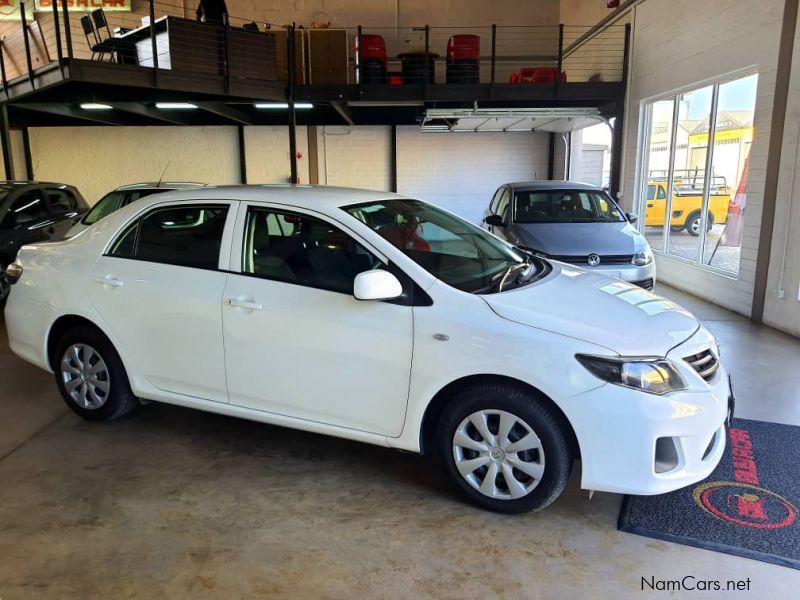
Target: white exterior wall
(683,43)
(267,155)
(784,270)
(461,171)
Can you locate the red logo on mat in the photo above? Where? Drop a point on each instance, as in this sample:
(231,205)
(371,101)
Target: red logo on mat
(744,502)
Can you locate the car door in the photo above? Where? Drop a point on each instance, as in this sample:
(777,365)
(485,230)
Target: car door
(63,208)
(297,342)
(159,286)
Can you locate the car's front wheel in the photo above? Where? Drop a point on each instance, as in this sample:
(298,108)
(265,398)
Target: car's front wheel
(91,377)
(504,448)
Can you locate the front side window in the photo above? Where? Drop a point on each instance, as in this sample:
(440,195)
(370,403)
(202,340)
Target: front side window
(60,201)
(502,205)
(187,236)
(299,249)
(451,249)
(565,206)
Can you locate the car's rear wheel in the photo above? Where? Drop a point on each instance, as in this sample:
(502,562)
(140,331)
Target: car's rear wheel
(91,377)
(504,448)
(694,223)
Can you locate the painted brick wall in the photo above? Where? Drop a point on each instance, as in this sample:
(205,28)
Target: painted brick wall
(681,43)
(267,158)
(462,171)
(358,157)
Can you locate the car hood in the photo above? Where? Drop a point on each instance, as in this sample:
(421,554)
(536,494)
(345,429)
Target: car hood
(580,239)
(607,312)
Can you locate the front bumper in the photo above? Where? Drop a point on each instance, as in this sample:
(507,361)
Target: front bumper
(642,276)
(618,430)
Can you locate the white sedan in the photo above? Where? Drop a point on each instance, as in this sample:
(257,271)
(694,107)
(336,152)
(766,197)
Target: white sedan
(381,319)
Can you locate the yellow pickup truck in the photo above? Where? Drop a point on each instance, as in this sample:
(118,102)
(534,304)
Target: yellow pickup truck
(686,206)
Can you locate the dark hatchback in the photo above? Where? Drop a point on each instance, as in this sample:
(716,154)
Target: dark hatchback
(31,212)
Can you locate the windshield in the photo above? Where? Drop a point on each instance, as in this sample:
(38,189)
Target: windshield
(565,206)
(451,249)
(116,200)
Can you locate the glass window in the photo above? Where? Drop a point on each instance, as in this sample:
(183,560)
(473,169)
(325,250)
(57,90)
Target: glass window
(502,204)
(731,155)
(60,201)
(459,253)
(188,236)
(706,206)
(28,208)
(689,173)
(565,206)
(495,200)
(303,250)
(656,168)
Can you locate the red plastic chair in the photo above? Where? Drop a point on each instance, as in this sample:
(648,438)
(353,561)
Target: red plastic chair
(372,48)
(464,47)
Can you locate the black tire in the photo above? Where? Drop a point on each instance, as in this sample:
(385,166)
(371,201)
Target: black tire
(119,400)
(693,223)
(5,287)
(538,416)
(677,228)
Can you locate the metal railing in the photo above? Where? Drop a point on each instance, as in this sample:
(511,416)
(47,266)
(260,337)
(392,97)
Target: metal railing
(240,48)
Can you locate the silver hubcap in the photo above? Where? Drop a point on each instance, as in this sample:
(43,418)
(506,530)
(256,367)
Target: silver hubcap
(498,454)
(85,376)
(696,225)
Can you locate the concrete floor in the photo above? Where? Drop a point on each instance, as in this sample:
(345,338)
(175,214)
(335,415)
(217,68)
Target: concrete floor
(175,503)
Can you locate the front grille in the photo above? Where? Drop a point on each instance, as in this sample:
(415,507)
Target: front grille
(609,259)
(647,284)
(705,363)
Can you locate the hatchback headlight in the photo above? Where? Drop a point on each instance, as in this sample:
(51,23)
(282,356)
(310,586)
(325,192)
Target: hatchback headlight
(641,259)
(651,375)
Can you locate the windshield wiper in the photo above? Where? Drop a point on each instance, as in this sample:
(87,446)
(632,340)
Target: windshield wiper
(512,269)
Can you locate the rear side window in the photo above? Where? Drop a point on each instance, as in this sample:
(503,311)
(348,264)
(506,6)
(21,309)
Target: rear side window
(29,208)
(186,236)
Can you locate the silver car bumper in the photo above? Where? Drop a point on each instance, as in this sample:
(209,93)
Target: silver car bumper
(644,277)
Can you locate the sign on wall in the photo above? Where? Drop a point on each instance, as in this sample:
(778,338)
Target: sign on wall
(85,5)
(9,9)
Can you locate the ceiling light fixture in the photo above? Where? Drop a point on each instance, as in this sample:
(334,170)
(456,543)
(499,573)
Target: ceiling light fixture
(95,106)
(176,105)
(283,105)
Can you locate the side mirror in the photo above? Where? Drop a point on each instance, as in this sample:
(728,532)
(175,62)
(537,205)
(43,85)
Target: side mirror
(632,217)
(376,285)
(494,221)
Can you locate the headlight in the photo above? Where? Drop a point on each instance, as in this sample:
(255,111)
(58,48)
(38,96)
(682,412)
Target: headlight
(651,375)
(641,259)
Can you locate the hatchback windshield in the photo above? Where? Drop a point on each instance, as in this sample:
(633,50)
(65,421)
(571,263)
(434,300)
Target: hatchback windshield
(565,206)
(451,249)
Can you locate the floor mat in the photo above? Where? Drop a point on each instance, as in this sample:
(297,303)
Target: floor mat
(747,507)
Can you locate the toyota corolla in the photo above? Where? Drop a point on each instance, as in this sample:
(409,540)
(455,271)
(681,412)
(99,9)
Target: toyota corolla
(382,319)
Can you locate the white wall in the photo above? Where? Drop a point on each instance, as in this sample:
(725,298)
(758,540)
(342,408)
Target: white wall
(784,269)
(355,157)
(682,43)
(461,171)
(267,155)
(99,159)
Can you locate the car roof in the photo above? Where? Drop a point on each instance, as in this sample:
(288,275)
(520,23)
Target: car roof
(167,185)
(533,186)
(19,183)
(323,198)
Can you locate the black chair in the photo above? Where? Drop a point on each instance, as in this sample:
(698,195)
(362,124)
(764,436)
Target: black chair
(93,25)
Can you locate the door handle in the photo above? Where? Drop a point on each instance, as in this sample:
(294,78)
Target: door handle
(51,229)
(243,303)
(650,205)
(110,281)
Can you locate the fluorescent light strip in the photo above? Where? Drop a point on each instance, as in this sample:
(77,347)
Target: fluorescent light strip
(95,106)
(283,105)
(176,105)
